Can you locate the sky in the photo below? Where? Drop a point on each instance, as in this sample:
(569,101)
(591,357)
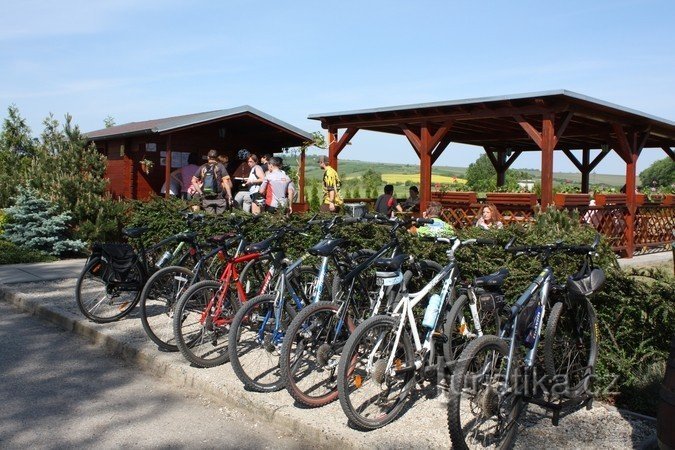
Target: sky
(140,60)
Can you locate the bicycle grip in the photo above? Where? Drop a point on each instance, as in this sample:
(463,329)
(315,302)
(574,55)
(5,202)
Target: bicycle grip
(422,221)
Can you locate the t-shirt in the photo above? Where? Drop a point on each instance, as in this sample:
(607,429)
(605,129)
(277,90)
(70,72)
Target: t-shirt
(331,182)
(385,204)
(276,185)
(186,174)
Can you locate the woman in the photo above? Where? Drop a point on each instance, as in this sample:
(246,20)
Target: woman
(251,186)
(183,176)
(489,218)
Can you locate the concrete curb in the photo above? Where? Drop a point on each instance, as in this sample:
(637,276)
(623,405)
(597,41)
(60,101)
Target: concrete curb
(172,372)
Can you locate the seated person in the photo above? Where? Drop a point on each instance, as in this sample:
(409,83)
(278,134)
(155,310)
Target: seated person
(489,218)
(438,228)
(413,202)
(386,203)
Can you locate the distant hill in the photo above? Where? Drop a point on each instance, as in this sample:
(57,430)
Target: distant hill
(349,168)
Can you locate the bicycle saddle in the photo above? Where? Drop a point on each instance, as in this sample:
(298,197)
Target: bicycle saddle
(135,231)
(261,247)
(493,280)
(326,246)
(219,239)
(391,264)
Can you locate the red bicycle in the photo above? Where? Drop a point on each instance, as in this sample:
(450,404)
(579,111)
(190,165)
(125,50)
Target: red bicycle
(203,314)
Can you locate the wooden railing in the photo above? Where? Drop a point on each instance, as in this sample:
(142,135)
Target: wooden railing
(654,222)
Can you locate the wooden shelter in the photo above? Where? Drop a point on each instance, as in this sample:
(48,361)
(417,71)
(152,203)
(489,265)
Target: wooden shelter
(506,126)
(167,142)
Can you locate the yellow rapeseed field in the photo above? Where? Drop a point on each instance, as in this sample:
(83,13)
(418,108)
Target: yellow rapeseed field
(393,178)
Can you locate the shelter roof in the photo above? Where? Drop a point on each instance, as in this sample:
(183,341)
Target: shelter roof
(489,121)
(295,135)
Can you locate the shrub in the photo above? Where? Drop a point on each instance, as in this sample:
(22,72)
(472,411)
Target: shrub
(11,253)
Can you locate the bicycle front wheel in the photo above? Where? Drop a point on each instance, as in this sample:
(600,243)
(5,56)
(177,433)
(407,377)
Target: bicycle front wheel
(311,351)
(255,342)
(376,373)
(201,323)
(102,297)
(484,409)
(571,347)
(158,302)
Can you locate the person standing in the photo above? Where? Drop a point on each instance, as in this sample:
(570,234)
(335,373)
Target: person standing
(252,182)
(211,182)
(184,175)
(332,201)
(277,188)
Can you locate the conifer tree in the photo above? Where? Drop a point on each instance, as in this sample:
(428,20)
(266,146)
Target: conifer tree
(36,224)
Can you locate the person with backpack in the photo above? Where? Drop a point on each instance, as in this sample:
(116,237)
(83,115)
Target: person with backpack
(212,184)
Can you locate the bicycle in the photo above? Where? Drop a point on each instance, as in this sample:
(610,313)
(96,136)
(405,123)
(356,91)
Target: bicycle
(384,355)
(110,285)
(486,396)
(315,338)
(204,313)
(258,328)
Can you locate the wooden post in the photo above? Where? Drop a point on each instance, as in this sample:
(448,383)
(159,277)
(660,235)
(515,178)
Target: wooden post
(301,176)
(332,148)
(167,170)
(585,170)
(425,167)
(548,142)
(501,167)
(630,205)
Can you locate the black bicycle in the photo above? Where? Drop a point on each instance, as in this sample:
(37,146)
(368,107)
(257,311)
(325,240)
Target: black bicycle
(113,277)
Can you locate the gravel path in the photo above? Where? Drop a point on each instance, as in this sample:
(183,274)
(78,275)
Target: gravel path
(423,425)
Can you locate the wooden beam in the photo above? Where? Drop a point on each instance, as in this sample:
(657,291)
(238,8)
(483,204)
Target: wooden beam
(346,137)
(669,152)
(440,133)
(301,175)
(530,130)
(574,160)
(501,171)
(623,146)
(413,138)
(547,146)
(563,125)
(425,167)
(491,157)
(597,159)
(332,147)
(585,170)
(440,148)
(512,159)
(167,170)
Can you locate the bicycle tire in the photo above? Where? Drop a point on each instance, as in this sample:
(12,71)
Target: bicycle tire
(356,258)
(158,301)
(103,301)
(460,328)
(571,347)
(474,399)
(356,376)
(253,346)
(306,349)
(201,337)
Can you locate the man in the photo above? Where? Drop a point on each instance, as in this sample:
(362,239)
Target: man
(277,188)
(212,184)
(332,201)
(386,203)
(413,201)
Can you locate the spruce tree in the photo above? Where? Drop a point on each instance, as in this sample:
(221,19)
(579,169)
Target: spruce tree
(36,224)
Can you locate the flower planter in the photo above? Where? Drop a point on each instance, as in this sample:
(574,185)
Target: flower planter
(617,199)
(300,207)
(668,200)
(571,200)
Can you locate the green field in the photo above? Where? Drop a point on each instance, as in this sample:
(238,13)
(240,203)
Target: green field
(399,173)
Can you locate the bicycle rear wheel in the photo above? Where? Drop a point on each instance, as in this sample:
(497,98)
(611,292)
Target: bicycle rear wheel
(158,301)
(255,341)
(254,276)
(483,411)
(571,347)
(101,296)
(370,394)
(460,327)
(311,351)
(200,332)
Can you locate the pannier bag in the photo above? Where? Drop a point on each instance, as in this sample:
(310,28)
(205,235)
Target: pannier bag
(120,259)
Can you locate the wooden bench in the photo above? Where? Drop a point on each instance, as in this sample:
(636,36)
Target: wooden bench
(454,198)
(512,199)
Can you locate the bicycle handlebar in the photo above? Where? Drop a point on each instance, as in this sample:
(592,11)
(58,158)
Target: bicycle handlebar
(556,247)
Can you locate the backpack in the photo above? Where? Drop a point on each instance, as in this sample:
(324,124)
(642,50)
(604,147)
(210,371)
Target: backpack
(211,179)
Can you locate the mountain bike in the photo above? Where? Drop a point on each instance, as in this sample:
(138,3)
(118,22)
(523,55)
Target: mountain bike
(204,313)
(494,377)
(258,328)
(315,338)
(113,277)
(385,355)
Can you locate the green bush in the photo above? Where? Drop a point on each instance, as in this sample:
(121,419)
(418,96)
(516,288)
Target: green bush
(11,253)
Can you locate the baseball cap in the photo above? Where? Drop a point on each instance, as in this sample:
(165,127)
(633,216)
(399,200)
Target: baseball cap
(212,154)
